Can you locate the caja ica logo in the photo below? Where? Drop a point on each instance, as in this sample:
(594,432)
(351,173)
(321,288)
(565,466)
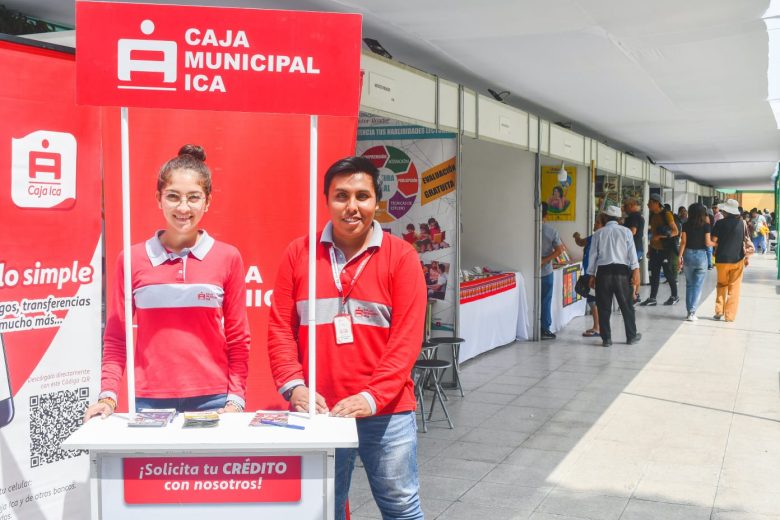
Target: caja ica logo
(43,170)
(156,59)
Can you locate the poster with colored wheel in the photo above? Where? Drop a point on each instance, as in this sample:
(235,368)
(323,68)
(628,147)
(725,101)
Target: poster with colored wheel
(417,173)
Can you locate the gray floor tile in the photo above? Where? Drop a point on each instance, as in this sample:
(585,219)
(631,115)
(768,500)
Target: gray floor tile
(456,468)
(495,437)
(646,510)
(584,504)
(478,451)
(506,496)
(469,511)
(444,488)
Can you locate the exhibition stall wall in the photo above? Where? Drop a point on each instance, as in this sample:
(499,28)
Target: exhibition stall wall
(685,194)
(497,209)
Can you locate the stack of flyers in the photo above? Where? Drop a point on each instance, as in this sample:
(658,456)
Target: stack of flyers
(274,418)
(263,418)
(200,419)
(152,417)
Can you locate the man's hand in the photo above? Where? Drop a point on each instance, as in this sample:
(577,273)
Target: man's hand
(353,406)
(592,282)
(229,408)
(300,400)
(100,408)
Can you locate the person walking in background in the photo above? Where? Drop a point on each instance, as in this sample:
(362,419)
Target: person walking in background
(682,215)
(551,248)
(590,299)
(614,271)
(759,231)
(694,241)
(711,222)
(728,236)
(635,222)
(662,252)
(717,215)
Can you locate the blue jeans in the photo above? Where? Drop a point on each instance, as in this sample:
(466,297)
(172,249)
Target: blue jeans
(709,258)
(388,449)
(200,403)
(695,267)
(547,293)
(759,243)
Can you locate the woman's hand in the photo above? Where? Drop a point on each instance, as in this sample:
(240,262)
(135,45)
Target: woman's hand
(101,408)
(299,400)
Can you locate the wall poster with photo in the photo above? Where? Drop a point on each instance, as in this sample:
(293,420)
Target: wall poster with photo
(561,197)
(417,173)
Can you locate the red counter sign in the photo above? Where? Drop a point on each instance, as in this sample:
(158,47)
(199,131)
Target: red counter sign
(205,480)
(217,58)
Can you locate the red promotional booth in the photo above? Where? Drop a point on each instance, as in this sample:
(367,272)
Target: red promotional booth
(273,98)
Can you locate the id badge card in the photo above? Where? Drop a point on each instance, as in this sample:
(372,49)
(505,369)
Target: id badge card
(343,325)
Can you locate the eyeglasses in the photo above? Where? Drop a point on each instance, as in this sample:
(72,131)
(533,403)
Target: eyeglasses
(192,199)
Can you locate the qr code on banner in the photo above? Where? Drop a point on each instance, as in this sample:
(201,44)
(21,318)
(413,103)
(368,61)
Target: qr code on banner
(53,417)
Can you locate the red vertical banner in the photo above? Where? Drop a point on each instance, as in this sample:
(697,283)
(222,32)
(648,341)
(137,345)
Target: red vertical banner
(50,280)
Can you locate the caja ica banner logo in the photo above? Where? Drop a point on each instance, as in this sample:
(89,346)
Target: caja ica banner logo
(43,170)
(217,58)
(138,55)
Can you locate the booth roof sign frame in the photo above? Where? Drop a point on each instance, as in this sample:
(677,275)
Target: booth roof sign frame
(107,33)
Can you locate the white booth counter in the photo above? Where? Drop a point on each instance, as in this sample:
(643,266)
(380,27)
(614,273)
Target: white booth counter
(493,312)
(231,470)
(566,303)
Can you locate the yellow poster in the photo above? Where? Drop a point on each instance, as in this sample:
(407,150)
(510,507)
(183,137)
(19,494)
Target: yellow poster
(561,197)
(438,181)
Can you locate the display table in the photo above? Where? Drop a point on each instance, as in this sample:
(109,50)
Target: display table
(566,303)
(493,312)
(231,470)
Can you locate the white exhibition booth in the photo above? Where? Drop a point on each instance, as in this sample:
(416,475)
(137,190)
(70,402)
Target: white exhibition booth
(496,181)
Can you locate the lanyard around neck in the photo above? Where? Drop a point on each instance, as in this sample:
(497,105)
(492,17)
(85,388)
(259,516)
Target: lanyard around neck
(337,276)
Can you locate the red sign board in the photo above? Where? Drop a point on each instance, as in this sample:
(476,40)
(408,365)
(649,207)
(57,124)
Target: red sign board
(217,58)
(206,480)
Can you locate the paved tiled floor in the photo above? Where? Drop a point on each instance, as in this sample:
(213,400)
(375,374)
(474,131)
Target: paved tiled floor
(684,425)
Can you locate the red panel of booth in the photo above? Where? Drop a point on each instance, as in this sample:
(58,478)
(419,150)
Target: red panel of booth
(259,164)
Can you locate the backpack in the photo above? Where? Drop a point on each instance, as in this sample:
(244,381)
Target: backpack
(672,244)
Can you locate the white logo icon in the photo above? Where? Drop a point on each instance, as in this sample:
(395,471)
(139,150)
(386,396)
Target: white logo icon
(157,56)
(43,170)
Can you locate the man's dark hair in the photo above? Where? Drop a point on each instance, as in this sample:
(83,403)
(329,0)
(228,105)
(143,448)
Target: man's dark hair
(544,209)
(350,165)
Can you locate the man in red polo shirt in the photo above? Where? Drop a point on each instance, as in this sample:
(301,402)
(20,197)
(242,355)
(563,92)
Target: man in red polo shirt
(370,308)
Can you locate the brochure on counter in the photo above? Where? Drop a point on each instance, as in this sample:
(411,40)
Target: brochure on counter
(153,417)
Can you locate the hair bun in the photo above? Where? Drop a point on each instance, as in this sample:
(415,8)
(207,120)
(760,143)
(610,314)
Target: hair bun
(193,150)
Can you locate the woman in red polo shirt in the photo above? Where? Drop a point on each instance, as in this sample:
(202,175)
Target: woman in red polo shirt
(192,346)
